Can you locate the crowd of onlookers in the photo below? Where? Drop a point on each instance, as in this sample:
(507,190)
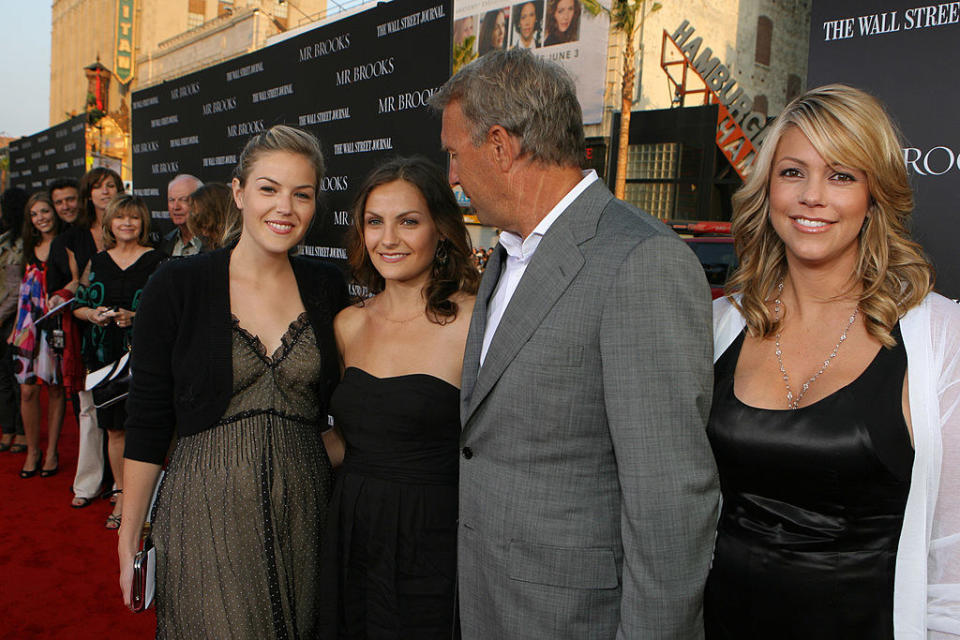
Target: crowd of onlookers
(481,256)
(74,259)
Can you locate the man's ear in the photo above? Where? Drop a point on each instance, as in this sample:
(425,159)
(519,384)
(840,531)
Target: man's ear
(505,147)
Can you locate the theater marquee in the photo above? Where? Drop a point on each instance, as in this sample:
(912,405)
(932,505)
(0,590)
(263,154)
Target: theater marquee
(123,64)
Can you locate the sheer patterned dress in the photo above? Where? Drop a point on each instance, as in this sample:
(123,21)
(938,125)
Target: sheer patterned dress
(241,511)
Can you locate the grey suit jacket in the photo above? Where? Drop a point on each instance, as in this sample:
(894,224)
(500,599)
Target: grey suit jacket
(588,491)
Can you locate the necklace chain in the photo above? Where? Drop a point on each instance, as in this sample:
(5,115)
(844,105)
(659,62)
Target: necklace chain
(794,403)
(411,318)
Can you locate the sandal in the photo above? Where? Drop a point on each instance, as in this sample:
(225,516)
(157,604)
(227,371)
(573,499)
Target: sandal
(113,522)
(4,446)
(79,502)
(18,448)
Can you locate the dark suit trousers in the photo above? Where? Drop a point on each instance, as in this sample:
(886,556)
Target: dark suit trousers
(9,389)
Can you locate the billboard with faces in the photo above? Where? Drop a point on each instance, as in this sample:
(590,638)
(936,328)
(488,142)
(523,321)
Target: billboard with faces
(558,30)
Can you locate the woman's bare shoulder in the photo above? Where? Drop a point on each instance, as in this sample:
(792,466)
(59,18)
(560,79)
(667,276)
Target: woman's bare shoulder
(347,325)
(349,318)
(465,302)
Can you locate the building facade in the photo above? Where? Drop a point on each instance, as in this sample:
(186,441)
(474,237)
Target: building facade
(763,44)
(170,38)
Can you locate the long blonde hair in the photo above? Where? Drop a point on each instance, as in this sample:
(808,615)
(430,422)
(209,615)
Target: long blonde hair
(851,128)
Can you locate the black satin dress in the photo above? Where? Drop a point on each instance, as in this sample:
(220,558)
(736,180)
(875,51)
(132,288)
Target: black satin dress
(813,503)
(390,553)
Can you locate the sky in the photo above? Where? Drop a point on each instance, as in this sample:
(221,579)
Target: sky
(24,66)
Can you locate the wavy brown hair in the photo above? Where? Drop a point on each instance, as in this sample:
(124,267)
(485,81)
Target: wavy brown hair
(458,274)
(851,128)
(90,181)
(214,215)
(553,31)
(30,234)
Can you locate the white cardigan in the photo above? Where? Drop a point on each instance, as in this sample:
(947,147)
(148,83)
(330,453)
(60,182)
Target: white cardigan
(926,592)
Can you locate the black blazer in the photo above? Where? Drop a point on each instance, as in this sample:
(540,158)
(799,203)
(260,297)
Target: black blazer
(181,362)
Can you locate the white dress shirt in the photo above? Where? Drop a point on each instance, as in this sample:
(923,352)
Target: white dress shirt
(519,253)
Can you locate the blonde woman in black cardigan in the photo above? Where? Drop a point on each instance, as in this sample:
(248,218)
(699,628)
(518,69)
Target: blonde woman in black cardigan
(234,349)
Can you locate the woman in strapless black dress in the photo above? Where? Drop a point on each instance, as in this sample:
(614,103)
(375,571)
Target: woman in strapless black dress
(390,551)
(837,382)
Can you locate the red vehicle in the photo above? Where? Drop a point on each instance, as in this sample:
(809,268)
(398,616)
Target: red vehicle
(713,245)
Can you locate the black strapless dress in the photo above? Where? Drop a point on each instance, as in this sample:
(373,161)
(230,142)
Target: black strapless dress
(390,560)
(813,503)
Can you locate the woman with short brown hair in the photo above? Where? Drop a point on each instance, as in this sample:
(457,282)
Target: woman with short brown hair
(107,300)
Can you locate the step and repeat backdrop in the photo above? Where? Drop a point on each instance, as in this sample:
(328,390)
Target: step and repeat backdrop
(57,152)
(904,54)
(360,85)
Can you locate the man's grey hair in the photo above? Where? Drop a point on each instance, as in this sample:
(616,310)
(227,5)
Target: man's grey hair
(533,99)
(197,182)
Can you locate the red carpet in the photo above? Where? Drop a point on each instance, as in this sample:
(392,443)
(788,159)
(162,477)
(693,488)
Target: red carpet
(58,566)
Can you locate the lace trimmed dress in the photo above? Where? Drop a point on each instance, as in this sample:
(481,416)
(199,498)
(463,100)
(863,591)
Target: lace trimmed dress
(241,511)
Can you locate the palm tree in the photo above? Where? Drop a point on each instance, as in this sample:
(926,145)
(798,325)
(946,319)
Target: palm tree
(463,54)
(626,16)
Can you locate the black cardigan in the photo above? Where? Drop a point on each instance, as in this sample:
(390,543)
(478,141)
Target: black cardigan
(181,362)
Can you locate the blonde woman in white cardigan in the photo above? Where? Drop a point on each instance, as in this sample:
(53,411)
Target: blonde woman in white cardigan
(836,417)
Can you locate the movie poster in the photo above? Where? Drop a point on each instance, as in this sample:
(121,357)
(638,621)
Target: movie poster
(558,30)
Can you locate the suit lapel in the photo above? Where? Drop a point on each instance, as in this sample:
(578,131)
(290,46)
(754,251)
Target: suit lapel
(554,265)
(478,323)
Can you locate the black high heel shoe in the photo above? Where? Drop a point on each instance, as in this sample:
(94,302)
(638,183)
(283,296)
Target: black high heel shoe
(29,473)
(46,473)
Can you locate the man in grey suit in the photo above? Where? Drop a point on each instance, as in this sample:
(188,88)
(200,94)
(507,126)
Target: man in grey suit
(588,492)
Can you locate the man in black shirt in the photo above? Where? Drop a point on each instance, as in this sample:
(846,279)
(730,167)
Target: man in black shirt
(66,199)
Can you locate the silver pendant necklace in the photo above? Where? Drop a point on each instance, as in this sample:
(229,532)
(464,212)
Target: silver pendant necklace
(794,403)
